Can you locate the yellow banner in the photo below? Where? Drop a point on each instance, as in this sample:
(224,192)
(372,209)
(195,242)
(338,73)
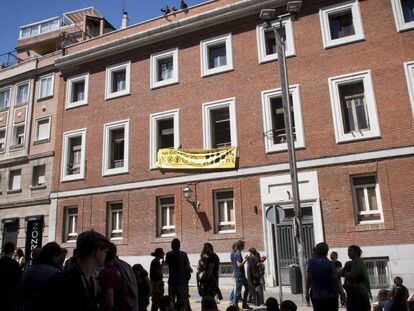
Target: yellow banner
(187,159)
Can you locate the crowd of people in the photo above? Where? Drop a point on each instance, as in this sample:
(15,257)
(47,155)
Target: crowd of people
(325,288)
(96,279)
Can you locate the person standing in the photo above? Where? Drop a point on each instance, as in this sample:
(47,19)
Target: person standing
(325,281)
(130,283)
(255,273)
(110,281)
(144,286)
(35,277)
(9,278)
(337,263)
(19,257)
(179,275)
(240,275)
(207,275)
(156,276)
(356,284)
(77,282)
(400,295)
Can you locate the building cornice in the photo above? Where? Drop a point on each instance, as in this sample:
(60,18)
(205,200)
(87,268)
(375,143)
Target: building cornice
(345,159)
(32,202)
(177,28)
(25,159)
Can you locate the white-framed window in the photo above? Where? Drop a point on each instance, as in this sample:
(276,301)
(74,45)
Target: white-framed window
(341,24)
(70,233)
(225,218)
(2,139)
(46,86)
(353,106)
(115,221)
(42,129)
(5,98)
(164,68)
(216,55)
(164,132)
(22,93)
(219,124)
(274,122)
(409,73)
(39,178)
(118,79)
(73,157)
(266,41)
(18,136)
(77,89)
(116,148)
(40,27)
(165,216)
(366,199)
(403,14)
(15,178)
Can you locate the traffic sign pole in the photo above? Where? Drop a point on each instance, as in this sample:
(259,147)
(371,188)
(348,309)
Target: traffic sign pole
(279,275)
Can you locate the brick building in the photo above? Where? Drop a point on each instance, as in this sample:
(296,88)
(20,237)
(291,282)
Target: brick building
(29,88)
(207,77)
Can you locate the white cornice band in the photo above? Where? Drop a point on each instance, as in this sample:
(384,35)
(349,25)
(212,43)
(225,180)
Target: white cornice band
(274,168)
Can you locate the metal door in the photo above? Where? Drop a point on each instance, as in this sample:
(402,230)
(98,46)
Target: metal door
(287,243)
(10,230)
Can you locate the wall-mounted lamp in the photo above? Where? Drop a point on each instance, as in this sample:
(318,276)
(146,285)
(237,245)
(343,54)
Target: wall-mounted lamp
(188,193)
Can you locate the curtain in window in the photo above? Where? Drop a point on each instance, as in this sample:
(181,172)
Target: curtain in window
(165,70)
(43,130)
(46,87)
(217,56)
(119,82)
(22,93)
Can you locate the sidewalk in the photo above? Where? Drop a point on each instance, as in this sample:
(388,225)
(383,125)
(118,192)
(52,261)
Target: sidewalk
(195,299)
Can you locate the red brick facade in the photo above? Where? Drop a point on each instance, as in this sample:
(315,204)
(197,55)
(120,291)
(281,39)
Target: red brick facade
(383,52)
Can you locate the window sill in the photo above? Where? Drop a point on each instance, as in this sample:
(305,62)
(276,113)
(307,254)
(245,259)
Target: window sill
(13,191)
(159,85)
(16,147)
(164,239)
(42,141)
(406,27)
(39,187)
(114,172)
(21,105)
(216,72)
(369,226)
(344,140)
(117,95)
(72,178)
(41,99)
(273,149)
(271,58)
(335,43)
(69,106)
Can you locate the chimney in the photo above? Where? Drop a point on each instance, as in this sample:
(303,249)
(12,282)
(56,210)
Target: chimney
(125,20)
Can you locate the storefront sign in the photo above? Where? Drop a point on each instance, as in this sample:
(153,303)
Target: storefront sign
(34,234)
(197,159)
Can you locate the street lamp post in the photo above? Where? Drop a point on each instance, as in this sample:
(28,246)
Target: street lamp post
(269,17)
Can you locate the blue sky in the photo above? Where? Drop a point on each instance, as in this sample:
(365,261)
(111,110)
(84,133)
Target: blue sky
(15,13)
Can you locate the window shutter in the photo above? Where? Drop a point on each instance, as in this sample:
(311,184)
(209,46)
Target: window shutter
(43,129)
(16,180)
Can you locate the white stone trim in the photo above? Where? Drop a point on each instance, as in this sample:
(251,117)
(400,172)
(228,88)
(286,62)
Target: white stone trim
(280,167)
(154,118)
(294,90)
(205,44)
(207,107)
(337,8)
(261,41)
(52,85)
(108,80)
(399,17)
(69,89)
(155,58)
(52,220)
(65,159)
(334,83)
(108,127)
(409,73)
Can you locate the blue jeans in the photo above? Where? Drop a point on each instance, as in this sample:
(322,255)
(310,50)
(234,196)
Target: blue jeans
(240,282)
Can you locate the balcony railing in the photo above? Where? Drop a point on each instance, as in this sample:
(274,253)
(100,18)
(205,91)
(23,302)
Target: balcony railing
(8,59)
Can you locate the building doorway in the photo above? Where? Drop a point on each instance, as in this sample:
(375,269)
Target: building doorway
(10,231)
(287,245)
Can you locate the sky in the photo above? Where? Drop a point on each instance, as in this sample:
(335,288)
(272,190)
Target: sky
(16,13)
